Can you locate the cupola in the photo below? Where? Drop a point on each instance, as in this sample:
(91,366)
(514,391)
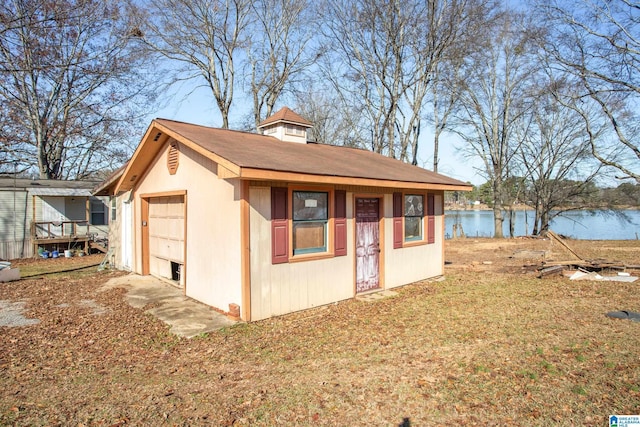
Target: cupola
(286,125)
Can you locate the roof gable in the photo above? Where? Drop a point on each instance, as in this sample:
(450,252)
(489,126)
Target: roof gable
(246,155)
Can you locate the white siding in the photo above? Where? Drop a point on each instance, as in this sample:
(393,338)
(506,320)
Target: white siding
(407,265)
(212,271)
(285,288)
(125,234)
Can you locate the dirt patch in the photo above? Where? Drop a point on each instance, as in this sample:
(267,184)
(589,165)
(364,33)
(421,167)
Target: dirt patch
(500,347)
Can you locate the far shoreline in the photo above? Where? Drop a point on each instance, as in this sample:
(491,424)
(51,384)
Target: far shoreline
(484,207)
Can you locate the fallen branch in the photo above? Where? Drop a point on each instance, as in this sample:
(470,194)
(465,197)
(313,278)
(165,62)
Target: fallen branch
(560,240)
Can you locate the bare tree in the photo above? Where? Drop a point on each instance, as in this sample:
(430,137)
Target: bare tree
(466,25)
(71,85)
(278,51)
(444,102)
(369,43)
(555,155)
(333,123)
(493,96)
(597,44)
(384,57)
(204,37)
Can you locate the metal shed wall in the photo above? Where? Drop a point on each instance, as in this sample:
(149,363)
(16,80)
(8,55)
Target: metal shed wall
(15,220)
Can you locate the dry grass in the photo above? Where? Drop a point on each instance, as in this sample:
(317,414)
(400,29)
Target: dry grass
(487,346)
(37,267)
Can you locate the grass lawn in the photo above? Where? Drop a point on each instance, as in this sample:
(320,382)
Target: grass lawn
(489,345)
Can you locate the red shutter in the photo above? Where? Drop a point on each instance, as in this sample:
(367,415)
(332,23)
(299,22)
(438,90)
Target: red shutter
(340,222)
(279,226)
(398,235)
(431,219)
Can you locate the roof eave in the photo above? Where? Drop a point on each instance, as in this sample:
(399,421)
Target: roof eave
(292,122)
(272,175)
(108,186)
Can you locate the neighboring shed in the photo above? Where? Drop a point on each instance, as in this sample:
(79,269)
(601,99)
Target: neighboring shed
(49,213)
(262,225)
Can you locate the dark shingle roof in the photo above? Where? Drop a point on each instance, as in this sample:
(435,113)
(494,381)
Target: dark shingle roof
(249,150)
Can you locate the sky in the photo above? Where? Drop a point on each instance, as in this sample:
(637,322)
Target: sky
(198,107)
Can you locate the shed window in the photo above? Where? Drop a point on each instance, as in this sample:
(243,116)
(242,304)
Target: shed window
(294,130)
(410,224)
(413,217)
(310,217)
(113,208)
(98,216)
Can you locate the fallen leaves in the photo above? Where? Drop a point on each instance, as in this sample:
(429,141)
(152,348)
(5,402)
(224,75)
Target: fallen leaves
(475,349)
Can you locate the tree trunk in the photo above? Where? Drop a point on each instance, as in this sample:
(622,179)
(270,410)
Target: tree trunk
(498,220)
(512,222)
(544,223)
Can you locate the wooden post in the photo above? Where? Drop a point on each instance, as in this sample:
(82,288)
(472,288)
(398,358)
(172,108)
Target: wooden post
(245,254)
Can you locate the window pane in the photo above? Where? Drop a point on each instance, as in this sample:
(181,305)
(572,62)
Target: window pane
(113,209)
(310,205)
(97,218)
(413,213)
(412,228)
(97,213)
(309,236)
(413,205)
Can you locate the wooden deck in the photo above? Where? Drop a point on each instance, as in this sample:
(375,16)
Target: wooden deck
(68,234)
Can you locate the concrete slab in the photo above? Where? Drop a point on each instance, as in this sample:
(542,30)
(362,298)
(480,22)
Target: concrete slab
(375,296)
(186,316)
(9,275)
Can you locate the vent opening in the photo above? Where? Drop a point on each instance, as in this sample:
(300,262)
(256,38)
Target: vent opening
(172,158)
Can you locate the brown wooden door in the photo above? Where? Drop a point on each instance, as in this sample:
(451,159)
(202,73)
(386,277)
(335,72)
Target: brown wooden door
(367,244)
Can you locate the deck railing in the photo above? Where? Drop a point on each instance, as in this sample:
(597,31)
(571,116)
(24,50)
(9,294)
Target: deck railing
(58,229)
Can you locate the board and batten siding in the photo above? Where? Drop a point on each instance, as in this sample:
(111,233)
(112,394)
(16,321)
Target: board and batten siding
(212,271)
(410,264)
(278,289)
(15,223)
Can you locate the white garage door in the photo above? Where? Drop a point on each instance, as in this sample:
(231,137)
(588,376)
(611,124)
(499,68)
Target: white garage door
(166,237)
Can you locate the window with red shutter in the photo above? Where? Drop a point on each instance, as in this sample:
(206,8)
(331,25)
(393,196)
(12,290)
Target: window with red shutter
(340,223)
(431,219)
(279,226)
(398,232)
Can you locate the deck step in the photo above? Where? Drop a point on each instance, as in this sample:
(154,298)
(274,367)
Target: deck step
(99,247)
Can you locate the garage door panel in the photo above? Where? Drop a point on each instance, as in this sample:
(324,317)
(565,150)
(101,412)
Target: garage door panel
(175,252)
(175,229)
(166,234)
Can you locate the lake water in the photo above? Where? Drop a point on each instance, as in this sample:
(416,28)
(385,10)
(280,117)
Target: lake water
(586,225)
